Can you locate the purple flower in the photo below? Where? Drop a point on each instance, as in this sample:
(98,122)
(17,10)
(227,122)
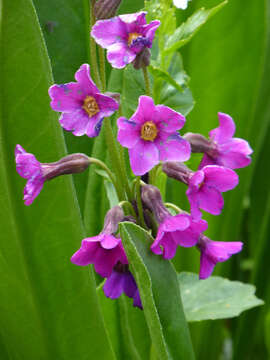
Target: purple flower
(122,281)
(213,252)
(29,168)
(37,173)
(205,187)
(177,230)
(82,105)
(124,37)
(151,136)
(226,150)
(104,250)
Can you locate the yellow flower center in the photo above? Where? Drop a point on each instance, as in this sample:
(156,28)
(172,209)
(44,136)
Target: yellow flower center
(149,131)
(90,106)
(132,36)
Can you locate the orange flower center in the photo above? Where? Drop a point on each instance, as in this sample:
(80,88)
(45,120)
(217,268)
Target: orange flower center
(149,131)
(132,36)
(90,106)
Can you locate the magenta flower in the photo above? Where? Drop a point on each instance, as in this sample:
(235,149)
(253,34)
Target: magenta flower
(213,252)
(205,188)
(37,173)
(82,105)
(29,168)
(224,149)
(122,281)
(124,37)
(177,230)
(151,136)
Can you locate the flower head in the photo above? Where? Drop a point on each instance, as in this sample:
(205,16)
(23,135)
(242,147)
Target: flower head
(213,252)
(124,37)
(122,281)
(82,105)
(37,173)
(206,186)
(226,150)
(151,136)
(104,250)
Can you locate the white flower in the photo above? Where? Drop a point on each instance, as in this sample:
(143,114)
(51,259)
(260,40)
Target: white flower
(181,4)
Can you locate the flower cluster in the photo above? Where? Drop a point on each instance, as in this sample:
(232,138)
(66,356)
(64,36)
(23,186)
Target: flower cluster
(154,144)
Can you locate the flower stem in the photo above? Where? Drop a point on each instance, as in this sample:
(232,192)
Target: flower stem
(146,81)
(128,206)
(139,203)
(93,50)
(108,171)
(102,68)
(174,207)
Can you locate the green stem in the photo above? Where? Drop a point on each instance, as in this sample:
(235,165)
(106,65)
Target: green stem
(102,68)
(93,50)
(124,172)
(146,81)
(128,205)
(174,207)
(108,171)
(139,203)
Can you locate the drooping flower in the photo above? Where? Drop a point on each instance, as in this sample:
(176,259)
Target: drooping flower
(181,4)
(105,250)
(213,252)
(151,136)
(82,105)
(226,150)
(121,281)
(173,231)
(124,37)
(37,173)
(205,188)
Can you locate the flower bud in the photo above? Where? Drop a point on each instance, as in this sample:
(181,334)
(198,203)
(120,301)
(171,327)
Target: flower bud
(199,143)
(142,59)
(151,198)
(70,164)
(115,96)
(113,217)
(105,9)
(177,170)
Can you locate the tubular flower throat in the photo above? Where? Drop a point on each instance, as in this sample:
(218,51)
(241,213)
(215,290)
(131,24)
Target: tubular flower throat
(132,37)
(149,131)
(90,106)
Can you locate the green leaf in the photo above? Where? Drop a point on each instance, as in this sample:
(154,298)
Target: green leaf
(215,297)
(48,306)
(267,331)
(111,193)
(187,30)
(164,75)
(160,295)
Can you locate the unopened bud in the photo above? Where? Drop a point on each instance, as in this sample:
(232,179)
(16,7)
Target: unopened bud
(151,198)
(113,217)
(177,170)
(142,59)
(105,9)
(70,164)
(199,143)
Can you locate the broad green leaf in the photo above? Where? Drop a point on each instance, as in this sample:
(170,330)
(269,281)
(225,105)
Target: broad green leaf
(215,297)
(48,306)
(111,193)
(187,30)
(160,295)
(267,332)
(164,75)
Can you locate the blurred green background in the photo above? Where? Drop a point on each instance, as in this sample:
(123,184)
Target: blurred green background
(49,308)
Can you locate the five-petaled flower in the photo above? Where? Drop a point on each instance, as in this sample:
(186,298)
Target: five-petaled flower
(213,252)
(225,150)
(124,37)
(206,186)
(82,105)
(151,136)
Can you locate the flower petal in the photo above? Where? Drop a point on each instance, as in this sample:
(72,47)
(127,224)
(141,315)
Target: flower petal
(145,111)
(107,105)
(76,121)
(85,81)
(234,154)
(207,160)
(167,119)
(143,157)
(138,17)
(32,189)
(119,55)
(174,148)
(149,31)
(128,132)
(210,200)
(219,177)
(113,287)
(28,166)
(225,131)
(206,266)
(109,32)
(66,97)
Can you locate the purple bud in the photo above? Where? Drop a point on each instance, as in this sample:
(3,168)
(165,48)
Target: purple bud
(105,9)
(199,143)
(177,170)
(151,198)
(113,217)
(142,59)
